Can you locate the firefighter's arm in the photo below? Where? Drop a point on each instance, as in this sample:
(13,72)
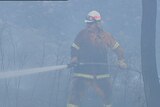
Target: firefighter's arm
(121,60)
(115,46)
(74,55)
(75,47)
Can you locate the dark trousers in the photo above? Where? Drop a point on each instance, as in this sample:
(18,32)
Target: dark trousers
(79,84)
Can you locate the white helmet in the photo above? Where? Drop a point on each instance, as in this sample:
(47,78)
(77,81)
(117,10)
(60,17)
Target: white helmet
(93,16)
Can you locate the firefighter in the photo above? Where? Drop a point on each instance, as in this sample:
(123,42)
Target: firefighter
(89,53)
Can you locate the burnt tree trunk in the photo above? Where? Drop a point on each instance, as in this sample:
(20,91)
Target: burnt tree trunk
(148,57)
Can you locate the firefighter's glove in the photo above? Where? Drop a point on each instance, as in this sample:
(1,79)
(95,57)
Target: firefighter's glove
(73,63)
(122,64)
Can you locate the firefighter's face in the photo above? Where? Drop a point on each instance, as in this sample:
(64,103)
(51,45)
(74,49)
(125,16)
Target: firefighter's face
(97,25)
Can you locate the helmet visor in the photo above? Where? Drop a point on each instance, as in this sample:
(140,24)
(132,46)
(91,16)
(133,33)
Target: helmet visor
(90,19)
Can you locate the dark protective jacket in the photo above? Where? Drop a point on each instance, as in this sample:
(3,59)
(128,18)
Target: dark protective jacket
(91,46)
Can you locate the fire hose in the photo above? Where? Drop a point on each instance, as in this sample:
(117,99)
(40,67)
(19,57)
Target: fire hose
(23,72)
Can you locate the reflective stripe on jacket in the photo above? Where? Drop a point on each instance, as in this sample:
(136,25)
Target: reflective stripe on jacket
(89,76)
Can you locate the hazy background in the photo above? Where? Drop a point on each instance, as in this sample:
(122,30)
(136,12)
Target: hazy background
(37,34)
